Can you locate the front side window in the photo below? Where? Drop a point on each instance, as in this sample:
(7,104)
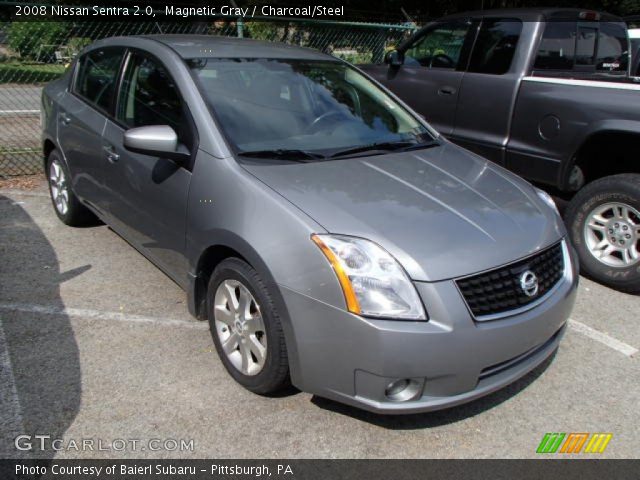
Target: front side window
(495,46)
(149,96)
(97,76)
(320,106)
(439,47)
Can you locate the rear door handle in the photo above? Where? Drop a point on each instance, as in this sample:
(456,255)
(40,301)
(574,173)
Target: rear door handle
(111,154)
(65,119)
(446,91)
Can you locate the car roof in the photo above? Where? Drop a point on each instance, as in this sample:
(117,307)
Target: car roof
(199,46)
(533,14)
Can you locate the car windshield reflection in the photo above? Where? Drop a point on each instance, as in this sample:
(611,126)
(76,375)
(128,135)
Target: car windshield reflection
(319,107)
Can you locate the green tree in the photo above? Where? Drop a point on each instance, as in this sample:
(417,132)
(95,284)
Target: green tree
(37,40)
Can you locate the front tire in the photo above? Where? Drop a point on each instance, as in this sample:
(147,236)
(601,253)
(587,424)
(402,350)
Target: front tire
(65,203)
(603,220)
(246,328)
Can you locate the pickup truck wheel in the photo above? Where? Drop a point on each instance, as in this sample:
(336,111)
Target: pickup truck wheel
(603,220)
(246,328)
(65,203)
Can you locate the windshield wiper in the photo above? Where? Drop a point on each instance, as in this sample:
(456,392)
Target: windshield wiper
(372,147)
(402,145)
(292,155)
(420,146)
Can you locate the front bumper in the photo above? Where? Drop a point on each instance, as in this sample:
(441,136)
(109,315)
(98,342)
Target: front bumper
(450,359)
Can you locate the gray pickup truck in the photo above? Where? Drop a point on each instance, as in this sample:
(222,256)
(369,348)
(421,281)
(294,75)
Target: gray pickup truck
(547,94)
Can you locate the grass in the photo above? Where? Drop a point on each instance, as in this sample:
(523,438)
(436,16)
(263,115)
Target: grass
(17,72)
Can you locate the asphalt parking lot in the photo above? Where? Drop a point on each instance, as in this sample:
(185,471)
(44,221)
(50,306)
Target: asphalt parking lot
(96,343)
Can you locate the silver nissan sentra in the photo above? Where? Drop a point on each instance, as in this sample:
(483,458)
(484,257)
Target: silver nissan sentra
(332,239)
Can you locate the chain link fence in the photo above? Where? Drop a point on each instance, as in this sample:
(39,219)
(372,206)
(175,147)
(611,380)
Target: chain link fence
(34,53)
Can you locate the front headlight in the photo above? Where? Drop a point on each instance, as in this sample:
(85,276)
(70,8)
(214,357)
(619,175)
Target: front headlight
(373,282)
(546,198)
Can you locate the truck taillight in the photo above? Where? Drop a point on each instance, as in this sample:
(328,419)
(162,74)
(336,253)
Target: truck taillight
(592,16)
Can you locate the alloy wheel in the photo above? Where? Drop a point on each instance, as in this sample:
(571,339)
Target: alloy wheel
(59,189)
(612,234)
(240,327)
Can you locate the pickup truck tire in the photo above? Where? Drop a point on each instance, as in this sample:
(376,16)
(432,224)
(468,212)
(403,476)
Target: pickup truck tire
(603,220)
(65,203)
(246,328)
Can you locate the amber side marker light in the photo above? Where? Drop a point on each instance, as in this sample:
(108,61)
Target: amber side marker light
(349,295)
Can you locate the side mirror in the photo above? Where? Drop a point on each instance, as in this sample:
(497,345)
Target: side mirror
(156,141)
(393,58)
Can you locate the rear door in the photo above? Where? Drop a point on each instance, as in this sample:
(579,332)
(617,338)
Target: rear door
(429,79)
(81,120)
(149,194)
(489,88)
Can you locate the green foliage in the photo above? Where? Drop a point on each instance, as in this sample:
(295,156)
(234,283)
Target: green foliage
(355,58)
(14,72)
(76,44)
(36,40)
(259,30)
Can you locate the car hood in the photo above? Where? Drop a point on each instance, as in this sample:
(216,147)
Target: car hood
(442,212)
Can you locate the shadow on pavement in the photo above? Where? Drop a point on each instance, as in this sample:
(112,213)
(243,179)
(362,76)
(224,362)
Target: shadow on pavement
(441,417)
(40,375)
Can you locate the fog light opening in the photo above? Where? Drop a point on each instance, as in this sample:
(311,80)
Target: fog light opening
(402,390)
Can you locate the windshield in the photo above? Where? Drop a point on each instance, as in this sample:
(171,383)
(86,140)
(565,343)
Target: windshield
(318,107)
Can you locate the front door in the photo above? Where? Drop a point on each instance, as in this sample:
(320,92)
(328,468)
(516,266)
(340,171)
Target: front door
(430,76)
(149,194)
(489,89)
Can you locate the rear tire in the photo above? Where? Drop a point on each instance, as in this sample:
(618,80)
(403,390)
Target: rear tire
(65,203)
(603,220)
(243,318)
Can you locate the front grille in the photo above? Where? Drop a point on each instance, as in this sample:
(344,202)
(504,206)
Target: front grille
(499,291)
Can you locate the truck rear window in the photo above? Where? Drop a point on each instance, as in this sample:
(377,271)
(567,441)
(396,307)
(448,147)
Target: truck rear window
(613,48)
(602,46)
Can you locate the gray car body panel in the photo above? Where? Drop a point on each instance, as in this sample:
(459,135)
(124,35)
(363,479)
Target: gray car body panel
(501,116)
(428,208)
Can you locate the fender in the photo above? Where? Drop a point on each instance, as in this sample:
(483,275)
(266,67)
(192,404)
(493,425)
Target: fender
(595,128)
(196,287)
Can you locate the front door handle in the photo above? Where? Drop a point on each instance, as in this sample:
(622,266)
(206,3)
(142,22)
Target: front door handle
(446,91)
(111,154)
(65,119)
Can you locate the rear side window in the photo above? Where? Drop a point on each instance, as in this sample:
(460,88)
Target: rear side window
(557,47)
(98,75)
(495,46)
(613,48)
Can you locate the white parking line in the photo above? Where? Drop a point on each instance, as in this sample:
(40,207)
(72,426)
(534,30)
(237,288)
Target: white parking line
(10,408)
(603,338)
(88,314)
(18,112)
(24,193)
